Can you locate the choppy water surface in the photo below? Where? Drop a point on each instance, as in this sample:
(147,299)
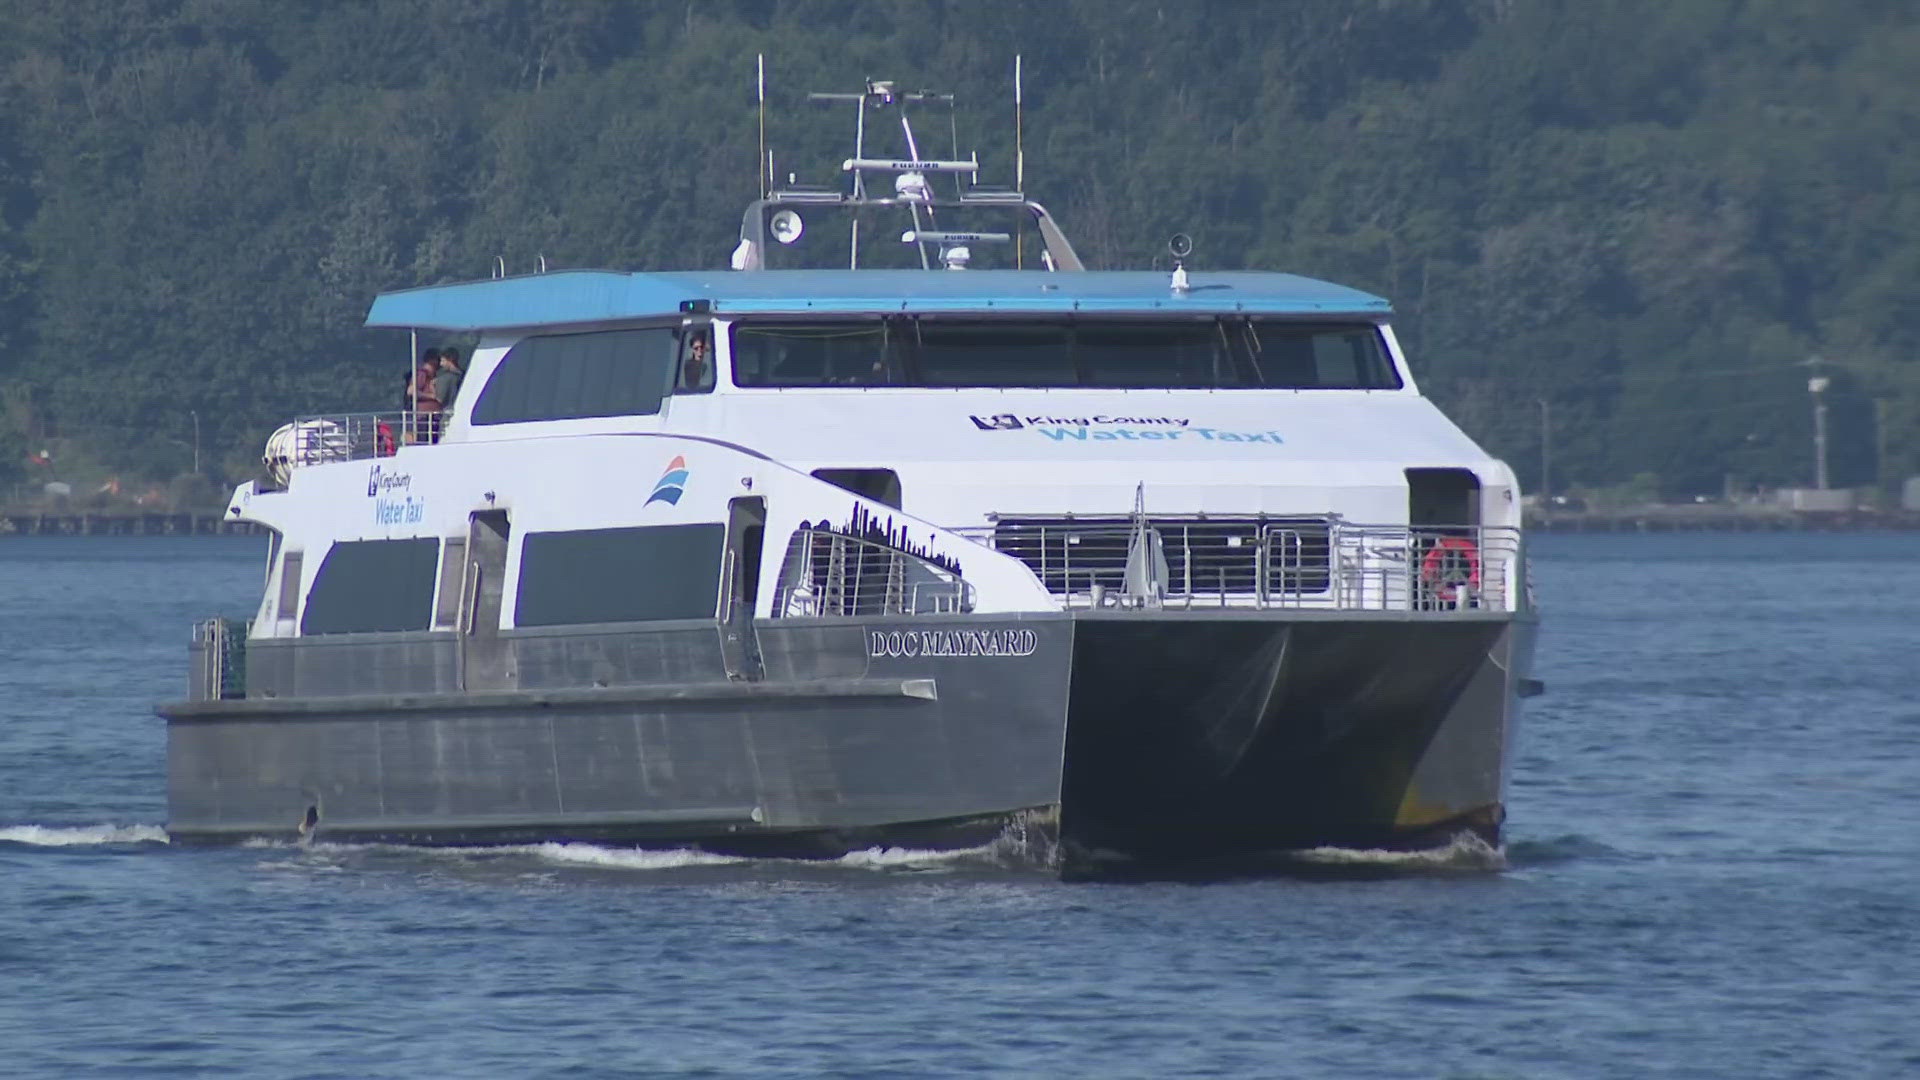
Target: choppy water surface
(1713,869)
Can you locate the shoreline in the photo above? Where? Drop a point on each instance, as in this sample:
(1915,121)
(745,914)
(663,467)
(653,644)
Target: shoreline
(122,523)
(1642,520)
(1721,519)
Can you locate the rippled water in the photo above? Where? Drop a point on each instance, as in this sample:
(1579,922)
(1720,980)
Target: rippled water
(1713,869)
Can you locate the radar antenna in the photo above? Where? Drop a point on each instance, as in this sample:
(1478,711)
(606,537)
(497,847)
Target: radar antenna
(915,183)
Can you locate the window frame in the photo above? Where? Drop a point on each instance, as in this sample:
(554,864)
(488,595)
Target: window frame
(890,344)
(406,602)
(560,554)
(506,365)
(1236,367)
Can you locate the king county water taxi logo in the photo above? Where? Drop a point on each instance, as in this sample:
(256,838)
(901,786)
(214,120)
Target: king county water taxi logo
(1102,428)
(671,485)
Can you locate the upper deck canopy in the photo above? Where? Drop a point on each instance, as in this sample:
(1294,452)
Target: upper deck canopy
(577,297)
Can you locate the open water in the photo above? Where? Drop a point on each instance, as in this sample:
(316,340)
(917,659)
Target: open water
(1713,869)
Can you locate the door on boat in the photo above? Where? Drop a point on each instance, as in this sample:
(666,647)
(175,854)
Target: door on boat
(1443,509)
(740,584)
(484,658)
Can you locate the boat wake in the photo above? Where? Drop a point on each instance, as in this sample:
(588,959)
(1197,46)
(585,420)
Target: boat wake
(615,858)
(1466,852)
(1020,846)
(557,857)
(1025,843)
(81,835)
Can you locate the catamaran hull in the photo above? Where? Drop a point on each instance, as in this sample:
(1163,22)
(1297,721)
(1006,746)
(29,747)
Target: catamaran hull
(1213,737)
(1114,735)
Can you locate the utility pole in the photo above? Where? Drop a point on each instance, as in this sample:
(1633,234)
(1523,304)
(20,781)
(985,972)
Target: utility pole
(196,440)
(1817,386)
(1881,474)
(1546,451)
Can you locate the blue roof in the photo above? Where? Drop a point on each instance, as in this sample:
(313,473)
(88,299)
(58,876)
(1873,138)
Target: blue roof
(574,297)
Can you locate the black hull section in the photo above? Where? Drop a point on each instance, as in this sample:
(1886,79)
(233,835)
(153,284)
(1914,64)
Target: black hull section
(1196,739)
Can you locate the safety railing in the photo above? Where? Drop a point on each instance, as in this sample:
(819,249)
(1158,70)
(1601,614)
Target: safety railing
(316,440)
(220,646)
(1248,562)
(829,573)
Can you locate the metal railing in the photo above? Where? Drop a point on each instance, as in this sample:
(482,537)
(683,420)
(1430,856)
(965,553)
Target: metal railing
(829,573)
(1243,562)
(316,440)
(222,648)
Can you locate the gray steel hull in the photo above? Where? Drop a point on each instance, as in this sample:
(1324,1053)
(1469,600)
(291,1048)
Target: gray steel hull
(1156,736)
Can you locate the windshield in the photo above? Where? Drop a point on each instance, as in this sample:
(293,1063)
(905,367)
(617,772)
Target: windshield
(1113,353)
(1306,356)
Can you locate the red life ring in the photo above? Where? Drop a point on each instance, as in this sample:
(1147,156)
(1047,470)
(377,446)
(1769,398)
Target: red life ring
(1440,571)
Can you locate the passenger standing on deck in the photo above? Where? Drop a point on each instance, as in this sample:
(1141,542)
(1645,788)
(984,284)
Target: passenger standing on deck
(426,407)
(447,383)
(429,359)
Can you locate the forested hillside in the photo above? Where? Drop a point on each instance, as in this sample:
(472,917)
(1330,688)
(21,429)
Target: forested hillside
(1639,218)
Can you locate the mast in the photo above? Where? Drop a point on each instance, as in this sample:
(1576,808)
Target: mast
(914,183)
(1019,166)
(763,165)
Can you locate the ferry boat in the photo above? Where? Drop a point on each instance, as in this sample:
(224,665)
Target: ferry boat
(1123,565)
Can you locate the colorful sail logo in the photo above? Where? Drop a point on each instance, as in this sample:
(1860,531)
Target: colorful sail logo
(671,485)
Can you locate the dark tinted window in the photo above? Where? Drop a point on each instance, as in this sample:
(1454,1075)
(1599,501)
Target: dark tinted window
(819,354)
(1130,353)
(994,354)
(1319,356)
(1154,355)
(569,376)
(619,575)
(364,586)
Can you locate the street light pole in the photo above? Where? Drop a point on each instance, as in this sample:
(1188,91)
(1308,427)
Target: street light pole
(1880,473)
(1546,451)
(1817,386)
(196,440)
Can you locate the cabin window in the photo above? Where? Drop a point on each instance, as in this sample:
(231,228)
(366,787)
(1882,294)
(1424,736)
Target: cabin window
(453,566)
(813,354)
(944,351)
(1319,356)
(575,376)
(1170,355)
(994,354)
(880,485)
(619,575)
(369,586)
(696,363)
(287,604)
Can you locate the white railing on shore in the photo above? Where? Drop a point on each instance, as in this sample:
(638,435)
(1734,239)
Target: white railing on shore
(1196,563)
(317,440)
